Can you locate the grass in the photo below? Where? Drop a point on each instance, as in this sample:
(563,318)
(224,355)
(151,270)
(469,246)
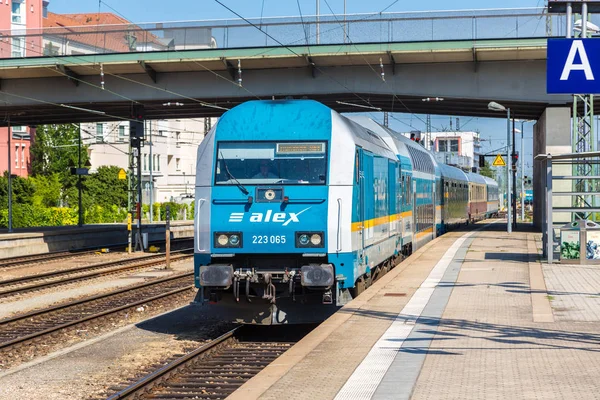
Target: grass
(549,297)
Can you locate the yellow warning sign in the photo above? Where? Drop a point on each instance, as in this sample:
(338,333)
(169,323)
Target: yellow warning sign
(499,161)
(122,174)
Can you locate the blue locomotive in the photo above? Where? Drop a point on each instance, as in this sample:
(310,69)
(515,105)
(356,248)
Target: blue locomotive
(299,209)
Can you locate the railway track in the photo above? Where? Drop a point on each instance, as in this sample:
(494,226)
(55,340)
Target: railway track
(26,284)
(216,369)
(61,255)
(38,258)
(44,328)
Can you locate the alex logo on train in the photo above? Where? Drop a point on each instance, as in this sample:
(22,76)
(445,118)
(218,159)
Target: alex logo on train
(270,216)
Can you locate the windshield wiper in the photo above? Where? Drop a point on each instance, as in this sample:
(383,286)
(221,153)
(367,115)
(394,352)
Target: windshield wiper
(237,183)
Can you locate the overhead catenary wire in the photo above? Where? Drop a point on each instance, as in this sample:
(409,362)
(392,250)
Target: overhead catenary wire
(378,74)
(293,52)
(98,87)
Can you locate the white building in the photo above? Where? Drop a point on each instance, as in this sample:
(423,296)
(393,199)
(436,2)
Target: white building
(168,154)
(460,149)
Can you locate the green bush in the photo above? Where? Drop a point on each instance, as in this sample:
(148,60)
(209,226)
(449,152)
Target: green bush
(28,216)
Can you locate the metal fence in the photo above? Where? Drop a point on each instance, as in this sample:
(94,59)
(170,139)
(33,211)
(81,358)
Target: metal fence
(285,31)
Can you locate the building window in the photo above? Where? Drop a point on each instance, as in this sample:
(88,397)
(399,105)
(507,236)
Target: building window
(158,163)
(177,164)
(18,47)
(177,135)
(161,133)
(448,145)
(145,164)
(99,133)
(17,156)
(17,11)
(23,157)
(121,133)
(154,162)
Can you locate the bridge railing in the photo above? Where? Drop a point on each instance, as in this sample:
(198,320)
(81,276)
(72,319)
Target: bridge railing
(283,31)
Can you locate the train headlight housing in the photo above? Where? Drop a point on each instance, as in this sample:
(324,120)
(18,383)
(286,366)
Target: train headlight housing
(303,240)
(228,239)
(309,239)
(234,240)
(222,240)
(316,239)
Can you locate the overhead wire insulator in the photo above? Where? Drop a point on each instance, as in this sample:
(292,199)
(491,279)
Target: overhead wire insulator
(382,70)
(239,73)
(102,76)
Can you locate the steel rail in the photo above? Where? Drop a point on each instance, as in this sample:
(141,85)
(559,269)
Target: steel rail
(90,299)
(91,267)
(53,329)
(150,380)
(43,257)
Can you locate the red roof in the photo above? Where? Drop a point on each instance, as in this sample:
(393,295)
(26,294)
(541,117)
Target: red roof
(99,30)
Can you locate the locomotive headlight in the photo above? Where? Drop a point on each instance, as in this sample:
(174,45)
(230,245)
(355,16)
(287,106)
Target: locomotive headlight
(303,239)
(316,239)
(223,240)
(309,239)
(228,239)
(234,240)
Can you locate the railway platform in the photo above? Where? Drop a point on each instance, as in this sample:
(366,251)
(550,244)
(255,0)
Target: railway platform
(473,314)
(22,242)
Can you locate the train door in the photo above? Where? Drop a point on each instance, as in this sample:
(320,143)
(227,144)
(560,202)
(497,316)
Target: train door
(361,203)
(416,218)
(433,209)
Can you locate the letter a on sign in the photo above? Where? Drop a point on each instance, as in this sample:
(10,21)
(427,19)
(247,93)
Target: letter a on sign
(499,161)
(577,47)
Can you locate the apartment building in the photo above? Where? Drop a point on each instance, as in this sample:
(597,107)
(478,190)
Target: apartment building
(168,155)
(16,18)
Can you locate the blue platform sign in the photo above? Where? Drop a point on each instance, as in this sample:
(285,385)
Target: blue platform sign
(573,66)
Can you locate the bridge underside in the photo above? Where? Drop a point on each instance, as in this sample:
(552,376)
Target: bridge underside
(348,78)
(54,114)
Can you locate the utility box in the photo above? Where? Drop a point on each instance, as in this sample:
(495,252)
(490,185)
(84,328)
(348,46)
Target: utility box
(580,242)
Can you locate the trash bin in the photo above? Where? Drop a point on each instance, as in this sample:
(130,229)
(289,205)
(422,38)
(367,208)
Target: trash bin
(580,242)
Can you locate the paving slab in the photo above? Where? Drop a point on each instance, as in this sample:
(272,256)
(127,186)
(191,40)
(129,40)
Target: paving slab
(497,324)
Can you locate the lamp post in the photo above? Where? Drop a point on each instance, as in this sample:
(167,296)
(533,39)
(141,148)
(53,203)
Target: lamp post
(499,107)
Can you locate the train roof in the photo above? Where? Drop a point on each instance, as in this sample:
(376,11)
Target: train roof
(382,131)
(489,181)
(452,172)
(475,178)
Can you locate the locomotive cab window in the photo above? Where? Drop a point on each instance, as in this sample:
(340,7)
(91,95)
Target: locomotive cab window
(265,163)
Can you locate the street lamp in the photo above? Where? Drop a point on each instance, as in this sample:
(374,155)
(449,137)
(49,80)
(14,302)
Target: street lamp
(499,107)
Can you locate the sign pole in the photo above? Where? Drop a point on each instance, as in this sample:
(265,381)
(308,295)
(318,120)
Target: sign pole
(129,232)
(508,180)
(168,235)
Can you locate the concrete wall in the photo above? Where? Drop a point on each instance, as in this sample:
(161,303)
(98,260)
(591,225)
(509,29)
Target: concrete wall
(552,135)
(91,236)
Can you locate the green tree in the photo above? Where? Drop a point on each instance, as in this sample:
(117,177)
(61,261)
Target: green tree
(487,170)
(106,188)
(48,190)
(54,150)
(22,191)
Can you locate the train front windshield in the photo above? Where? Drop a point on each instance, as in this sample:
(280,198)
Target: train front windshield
(268,163)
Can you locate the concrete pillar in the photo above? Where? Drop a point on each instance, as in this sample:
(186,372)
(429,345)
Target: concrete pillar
(551,135)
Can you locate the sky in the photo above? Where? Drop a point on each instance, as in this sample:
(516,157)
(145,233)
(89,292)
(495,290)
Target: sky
(493,131)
